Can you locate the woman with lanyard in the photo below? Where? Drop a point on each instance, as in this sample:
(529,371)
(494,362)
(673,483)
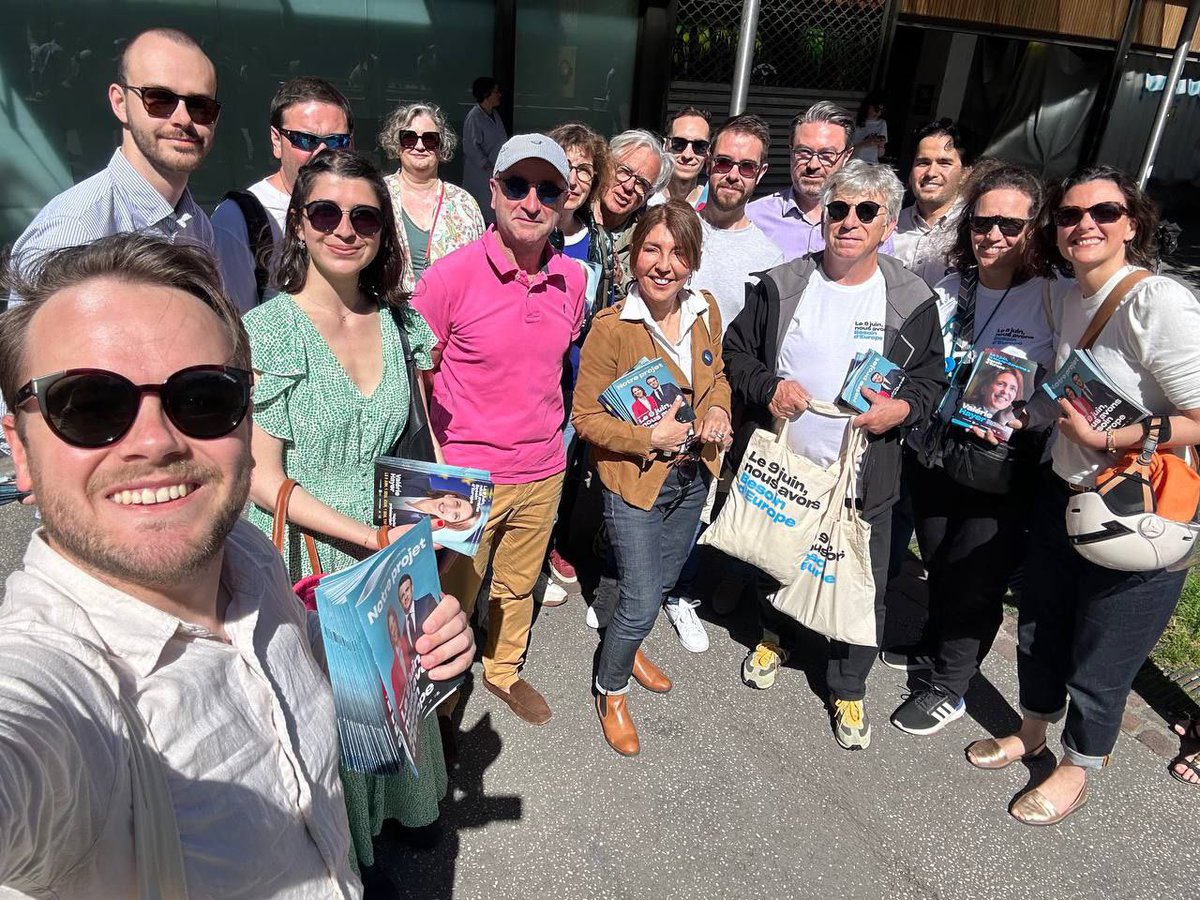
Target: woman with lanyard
(1085,629)
(652,492)
(433,218)
(971,532)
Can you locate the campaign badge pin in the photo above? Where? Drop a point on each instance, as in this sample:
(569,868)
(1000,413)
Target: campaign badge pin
(707,357)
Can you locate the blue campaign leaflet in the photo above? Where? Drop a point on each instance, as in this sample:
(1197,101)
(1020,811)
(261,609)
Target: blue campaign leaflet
(1083,384)
(408,491)
(371,615)
(874,371)
(642,395)
(999,387)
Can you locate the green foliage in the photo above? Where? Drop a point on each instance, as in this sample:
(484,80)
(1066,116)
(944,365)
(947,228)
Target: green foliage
(1179,647)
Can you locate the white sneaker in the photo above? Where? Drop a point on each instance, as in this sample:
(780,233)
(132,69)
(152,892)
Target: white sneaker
(687,624)
(590,618)
(553,594)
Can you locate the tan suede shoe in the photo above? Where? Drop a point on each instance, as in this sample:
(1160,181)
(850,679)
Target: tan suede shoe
(523,699)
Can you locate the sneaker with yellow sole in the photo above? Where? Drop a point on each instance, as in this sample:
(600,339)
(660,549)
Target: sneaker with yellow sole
(762,663)
(851,727)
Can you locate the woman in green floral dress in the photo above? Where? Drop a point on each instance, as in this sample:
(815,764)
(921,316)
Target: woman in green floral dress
(331,395)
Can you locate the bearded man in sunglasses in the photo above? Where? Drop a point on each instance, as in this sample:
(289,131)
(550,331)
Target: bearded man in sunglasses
(165,100)
(505,308)
(164,714)
(307,115)
(802,326)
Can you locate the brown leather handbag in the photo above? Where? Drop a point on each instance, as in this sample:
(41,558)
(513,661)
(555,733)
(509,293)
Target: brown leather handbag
(306,587)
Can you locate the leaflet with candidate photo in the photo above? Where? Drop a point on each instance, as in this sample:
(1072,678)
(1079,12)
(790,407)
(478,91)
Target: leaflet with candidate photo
(408,491)
(1083,384)
(1000,385)
(371,615)
(643,395)
(874,371)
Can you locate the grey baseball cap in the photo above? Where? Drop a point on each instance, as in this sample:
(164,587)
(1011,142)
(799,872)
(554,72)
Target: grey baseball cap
(532,146)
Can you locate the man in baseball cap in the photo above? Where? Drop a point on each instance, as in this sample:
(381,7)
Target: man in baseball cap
(505,308)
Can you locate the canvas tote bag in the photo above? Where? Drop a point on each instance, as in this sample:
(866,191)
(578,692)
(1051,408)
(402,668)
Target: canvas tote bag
(775,504)
(833,591)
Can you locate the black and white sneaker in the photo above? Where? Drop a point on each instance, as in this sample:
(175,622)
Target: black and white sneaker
(907,659)
(928,710)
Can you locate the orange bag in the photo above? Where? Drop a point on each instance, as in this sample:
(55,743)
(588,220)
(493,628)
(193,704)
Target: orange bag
(1169,485)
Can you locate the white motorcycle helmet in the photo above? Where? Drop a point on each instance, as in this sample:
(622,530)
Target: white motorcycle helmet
(1115,525)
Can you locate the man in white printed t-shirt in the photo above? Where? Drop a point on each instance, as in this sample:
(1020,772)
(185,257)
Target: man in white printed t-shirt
(801,327)
(308,115)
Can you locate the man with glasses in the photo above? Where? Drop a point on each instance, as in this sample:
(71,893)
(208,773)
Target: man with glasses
(639,167)
(505,309)
(927,228)
(308,115)
(165,100)
(687,142)
(802,326)
(162,697)
(821,142)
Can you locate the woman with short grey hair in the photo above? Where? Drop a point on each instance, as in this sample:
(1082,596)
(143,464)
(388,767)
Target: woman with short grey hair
(433,218)
(639,167)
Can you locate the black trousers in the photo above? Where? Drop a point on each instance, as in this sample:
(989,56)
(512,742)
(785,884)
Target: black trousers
(971,542)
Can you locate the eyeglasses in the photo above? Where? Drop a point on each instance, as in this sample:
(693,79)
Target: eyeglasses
(302,140)
(516,188)
(866,210)
(640,185)
(678,145)
(161,103)
(827,158)
(325,216)
(93,408)
(1008,225)
(583,173)
(747,168)
(1102,214)
(430,140)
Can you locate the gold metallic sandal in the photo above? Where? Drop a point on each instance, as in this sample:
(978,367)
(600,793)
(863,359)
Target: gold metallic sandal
(1032,808)
(988,754)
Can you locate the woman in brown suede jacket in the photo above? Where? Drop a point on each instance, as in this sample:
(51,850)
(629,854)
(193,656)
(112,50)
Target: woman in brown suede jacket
(656,477)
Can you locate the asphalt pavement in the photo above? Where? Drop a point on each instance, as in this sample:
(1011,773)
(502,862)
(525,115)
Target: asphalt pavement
(740,793)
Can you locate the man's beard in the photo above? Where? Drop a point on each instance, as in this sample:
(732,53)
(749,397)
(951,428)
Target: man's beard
(147,143)
(141,564)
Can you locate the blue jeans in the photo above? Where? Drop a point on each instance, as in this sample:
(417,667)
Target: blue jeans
(650,547)
(1083,632)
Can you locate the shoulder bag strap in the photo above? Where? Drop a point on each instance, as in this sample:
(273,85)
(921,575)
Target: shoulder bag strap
(258,233)
(279,524)
(1114,299)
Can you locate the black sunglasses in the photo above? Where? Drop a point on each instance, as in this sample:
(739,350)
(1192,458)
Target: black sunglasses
(161,104)
(1009,226)
(325,216)
(514,187)
(866,210)
(302,140)
(94,408)
(431,140)
(1102,214)
(678,145)
(724,164)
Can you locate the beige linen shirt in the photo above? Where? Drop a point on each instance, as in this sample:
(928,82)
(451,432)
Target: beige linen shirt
(245,730)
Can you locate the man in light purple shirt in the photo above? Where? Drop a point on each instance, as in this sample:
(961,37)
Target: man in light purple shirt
(821,143)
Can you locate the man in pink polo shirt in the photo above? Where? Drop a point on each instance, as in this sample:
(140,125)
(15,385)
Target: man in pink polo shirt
(505,308)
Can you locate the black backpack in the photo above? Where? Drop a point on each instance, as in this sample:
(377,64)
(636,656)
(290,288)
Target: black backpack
(258,231)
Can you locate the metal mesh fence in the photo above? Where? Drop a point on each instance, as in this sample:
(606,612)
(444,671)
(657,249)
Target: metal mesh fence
(811,44)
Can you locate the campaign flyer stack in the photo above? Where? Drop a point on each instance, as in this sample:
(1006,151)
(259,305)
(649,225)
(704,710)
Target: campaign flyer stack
(643,395)
(1083,384)
(874,371)
(408,491)
(1000,385)
(371,615)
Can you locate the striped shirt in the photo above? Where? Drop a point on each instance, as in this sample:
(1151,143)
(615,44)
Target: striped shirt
(114,200)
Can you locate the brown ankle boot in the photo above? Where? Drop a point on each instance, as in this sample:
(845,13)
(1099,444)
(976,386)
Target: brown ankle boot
(617,725)
(648,675)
